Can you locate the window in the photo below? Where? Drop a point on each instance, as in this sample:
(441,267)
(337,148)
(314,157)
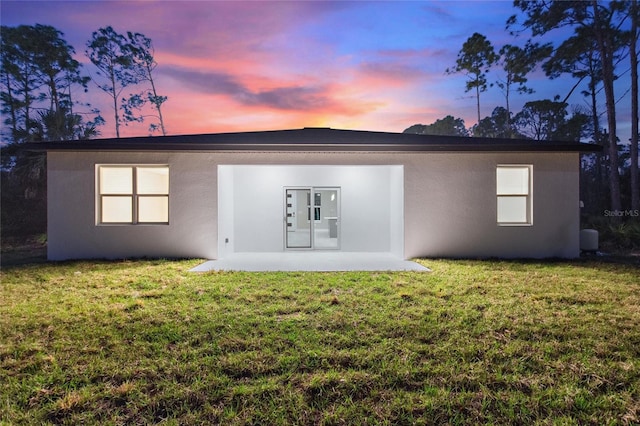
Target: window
(133,194)
(513,188)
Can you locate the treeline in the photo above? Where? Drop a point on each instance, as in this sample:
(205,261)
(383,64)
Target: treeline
(40,81)
(602,44)
(41,87)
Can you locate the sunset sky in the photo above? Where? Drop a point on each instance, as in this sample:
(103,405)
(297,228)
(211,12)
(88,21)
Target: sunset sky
(261,65)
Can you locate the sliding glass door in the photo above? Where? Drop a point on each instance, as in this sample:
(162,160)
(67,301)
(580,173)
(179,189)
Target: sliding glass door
(298,211)
(312,217)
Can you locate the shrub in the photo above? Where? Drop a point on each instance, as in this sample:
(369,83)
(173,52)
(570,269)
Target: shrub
(616,233)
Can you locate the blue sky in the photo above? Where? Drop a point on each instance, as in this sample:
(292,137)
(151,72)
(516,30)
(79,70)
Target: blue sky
(235,66)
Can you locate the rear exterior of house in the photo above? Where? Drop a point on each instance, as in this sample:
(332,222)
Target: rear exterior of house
(207,196)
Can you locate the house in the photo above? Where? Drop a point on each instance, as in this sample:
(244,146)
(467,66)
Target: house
(207,196)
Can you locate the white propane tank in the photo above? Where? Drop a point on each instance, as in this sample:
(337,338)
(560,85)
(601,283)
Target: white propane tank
(589,240)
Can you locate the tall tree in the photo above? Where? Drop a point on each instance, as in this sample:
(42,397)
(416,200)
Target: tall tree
(600,21)
(22,79)
(143,53)
(633,57)
(38,73)
(578,56)
(517,62)
(475,59)
(37,77)
(58,67)
(114,56)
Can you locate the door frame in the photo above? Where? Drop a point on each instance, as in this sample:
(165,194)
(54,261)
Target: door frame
(311,217)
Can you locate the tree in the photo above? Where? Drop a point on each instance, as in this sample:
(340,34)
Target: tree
(547,120)
(474,60)
(143,52)
(578,56)
(37,78)
(61,125)
(38,73)
(447,126)
(633,58)
(22,79)
(600,22)
(58,67)
(540,120)
(498,125)
(517,63)
(114,56)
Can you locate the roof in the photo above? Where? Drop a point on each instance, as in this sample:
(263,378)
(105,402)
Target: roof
(313,139)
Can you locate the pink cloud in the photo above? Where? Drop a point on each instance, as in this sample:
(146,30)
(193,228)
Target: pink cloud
(230,66)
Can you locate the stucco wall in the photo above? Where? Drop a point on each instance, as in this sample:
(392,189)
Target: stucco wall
(74,234)
(449,204)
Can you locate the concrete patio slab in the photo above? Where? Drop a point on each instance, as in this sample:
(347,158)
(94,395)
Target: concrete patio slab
(310,261)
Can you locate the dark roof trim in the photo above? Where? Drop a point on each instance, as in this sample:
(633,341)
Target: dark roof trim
(313,139)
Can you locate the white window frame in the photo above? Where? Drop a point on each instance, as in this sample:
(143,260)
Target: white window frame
(134,195)
(527,195)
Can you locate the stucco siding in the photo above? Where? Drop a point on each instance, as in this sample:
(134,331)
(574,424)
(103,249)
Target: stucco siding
(450,207)
(73,232)
(448,204)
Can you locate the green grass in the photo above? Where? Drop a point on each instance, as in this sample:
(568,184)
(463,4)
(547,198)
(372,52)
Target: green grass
(471,342)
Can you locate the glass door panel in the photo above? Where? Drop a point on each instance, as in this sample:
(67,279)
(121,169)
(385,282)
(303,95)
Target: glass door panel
(298,218)
(327,219)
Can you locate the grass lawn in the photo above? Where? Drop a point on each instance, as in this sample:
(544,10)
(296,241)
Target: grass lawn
(471,342)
